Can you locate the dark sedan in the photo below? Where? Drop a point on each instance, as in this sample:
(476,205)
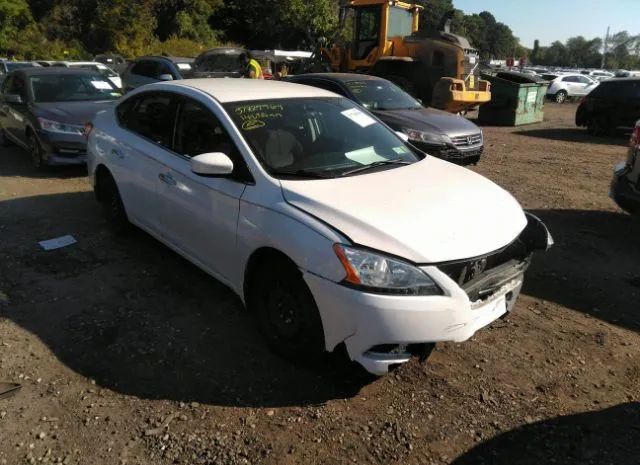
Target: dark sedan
(436,132)
(44,111)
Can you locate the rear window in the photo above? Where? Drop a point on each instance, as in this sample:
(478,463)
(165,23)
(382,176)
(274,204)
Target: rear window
(225,63)
(630,89)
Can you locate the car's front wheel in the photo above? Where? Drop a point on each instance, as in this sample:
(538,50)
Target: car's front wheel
(561,96)
(285,310)
(35,151)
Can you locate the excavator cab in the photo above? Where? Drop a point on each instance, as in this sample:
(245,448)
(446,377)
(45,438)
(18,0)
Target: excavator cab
(437,67)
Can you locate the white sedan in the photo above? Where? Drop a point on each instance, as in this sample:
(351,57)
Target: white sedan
(330,227)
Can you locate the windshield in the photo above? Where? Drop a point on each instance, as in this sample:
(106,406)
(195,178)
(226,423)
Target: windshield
(72,88)
(102,69)
(316,137)
(381,95)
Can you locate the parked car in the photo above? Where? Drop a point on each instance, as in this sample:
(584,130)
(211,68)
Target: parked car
(219,62)
(327,224)
(44,111)
(146,70)
(94,66)
(439,133)
(612,104)
(570,85)
(625,187)
(7,66)
(598,74)
(116,62)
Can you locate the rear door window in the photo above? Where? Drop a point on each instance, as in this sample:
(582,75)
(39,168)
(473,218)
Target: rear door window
(630,89)
(151,115)
(145,68)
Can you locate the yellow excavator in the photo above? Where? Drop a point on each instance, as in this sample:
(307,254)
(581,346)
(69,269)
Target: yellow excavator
(437,67)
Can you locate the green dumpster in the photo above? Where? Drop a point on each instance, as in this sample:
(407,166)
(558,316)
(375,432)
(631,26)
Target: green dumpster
(516,99)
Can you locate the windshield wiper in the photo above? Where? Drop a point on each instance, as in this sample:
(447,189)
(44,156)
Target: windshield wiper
(303,174)
(374,165)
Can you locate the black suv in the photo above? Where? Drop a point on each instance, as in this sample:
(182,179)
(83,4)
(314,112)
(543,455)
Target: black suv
(614,103)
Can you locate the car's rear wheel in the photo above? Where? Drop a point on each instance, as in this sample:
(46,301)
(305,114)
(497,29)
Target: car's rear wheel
(4,140)
(285,310)
(561,96)
(599,126)
(112,206)
(35,151)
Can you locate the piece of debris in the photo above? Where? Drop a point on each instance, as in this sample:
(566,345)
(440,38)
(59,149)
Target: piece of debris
(57,242)
(9,389)
(161,428)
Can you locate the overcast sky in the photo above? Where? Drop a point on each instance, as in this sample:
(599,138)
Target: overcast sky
(549,20)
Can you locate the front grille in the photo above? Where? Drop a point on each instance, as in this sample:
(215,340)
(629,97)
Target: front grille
(499,266)
(467,141)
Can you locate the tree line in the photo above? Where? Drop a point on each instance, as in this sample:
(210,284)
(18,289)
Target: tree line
(74,29)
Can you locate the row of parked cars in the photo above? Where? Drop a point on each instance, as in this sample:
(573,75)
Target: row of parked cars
(68,94)
(316,200)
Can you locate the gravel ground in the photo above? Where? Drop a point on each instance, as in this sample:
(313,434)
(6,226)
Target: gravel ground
(127,354)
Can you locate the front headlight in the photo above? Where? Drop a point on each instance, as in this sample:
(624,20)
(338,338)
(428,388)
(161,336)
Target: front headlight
(377,273)
(61,128)
(428,137)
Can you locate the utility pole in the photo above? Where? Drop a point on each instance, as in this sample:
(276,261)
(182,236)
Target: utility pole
(604,51)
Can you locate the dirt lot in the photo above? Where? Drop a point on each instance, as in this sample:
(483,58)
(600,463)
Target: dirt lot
(127,354)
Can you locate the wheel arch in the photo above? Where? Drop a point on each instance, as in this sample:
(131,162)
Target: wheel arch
(256,260)
(101,174)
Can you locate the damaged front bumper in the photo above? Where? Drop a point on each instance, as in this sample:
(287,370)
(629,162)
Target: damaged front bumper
(381,331)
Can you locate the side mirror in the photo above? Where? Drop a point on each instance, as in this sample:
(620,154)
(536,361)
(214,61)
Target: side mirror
(212,164)
(402,136)
(165,77)
(13,98)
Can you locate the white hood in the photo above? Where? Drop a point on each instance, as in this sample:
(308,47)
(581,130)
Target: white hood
(428,212)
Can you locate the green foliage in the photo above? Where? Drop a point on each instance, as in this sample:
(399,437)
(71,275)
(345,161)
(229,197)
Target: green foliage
(73,29)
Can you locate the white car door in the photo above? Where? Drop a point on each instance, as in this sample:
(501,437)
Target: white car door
(137,153)
(199,214)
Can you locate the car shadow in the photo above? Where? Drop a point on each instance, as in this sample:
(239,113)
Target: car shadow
(620,137)
(16,162)
(138,319)
(593,267)
(608,436)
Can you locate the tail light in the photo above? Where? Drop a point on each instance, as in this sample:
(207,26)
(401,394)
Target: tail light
(88,127)
(635,135)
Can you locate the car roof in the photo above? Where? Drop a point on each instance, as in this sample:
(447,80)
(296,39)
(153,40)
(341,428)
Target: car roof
(171,59)
(55,70)
(242,90)
(622,79)
(341,77)
(84,63)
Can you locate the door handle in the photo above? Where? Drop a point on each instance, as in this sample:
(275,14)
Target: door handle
(117,153)
(167,179)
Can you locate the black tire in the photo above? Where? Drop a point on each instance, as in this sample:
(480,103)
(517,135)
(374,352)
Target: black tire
(561,96)
(600,126)
(112,206)
(285,311)
(4,140)
(35,151)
